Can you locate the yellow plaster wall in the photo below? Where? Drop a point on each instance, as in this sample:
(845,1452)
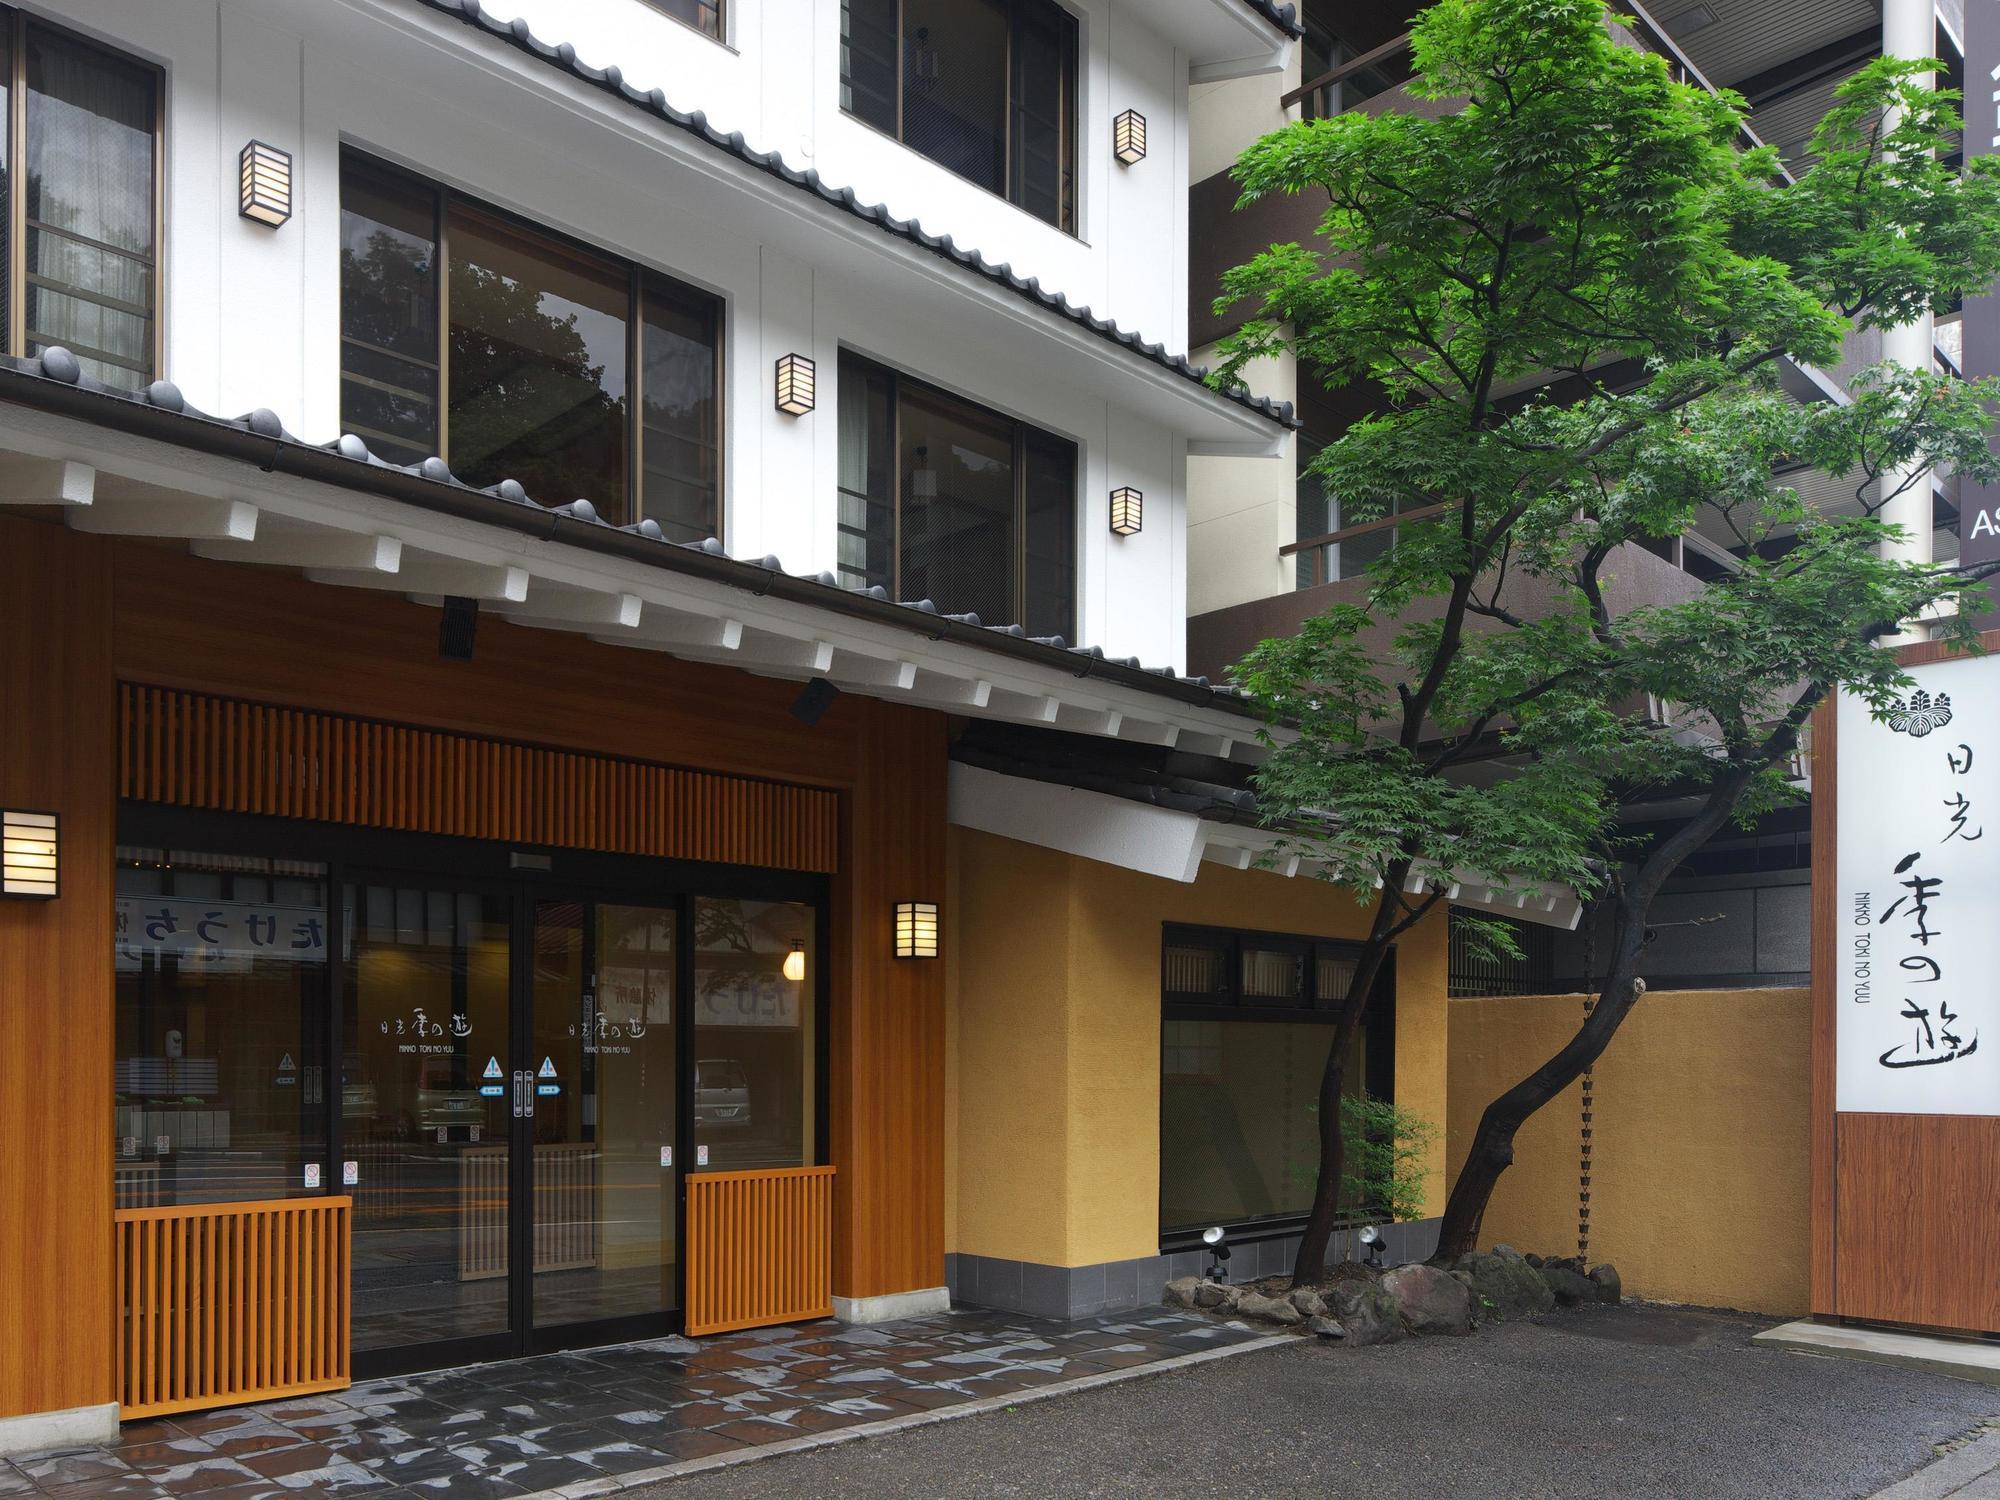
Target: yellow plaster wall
(1701,1119)
(1054,1103)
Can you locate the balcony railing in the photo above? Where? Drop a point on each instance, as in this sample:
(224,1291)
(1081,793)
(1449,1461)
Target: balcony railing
(1382,69)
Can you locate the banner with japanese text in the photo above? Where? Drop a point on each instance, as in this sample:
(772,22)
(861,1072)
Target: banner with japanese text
(1917,939)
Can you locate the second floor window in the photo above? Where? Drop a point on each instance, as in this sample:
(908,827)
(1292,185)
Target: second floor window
(704,16)
(513,353)
(82,153)
(947,501)
(984,87)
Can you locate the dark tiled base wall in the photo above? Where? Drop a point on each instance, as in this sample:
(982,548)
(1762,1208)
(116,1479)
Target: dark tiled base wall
(1081,1291)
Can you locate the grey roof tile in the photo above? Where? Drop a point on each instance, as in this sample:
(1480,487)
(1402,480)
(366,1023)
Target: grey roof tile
(654,101)
(20,378)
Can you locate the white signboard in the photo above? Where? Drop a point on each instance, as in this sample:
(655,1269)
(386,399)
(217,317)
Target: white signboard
(1916,937)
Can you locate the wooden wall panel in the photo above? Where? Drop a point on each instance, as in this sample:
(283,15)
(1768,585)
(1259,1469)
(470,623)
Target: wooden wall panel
(56,751)
(1917,1236)
(198,750)
(889,1038)
(267,634)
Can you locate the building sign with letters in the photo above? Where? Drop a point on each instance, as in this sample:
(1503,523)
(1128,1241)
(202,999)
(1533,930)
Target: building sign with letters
(1916,935)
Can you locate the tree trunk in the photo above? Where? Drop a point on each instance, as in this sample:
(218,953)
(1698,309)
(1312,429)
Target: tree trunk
(1325,1214)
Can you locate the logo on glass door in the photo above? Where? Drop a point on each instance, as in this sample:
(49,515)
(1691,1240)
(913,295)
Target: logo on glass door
(424,1034)
(601,1034)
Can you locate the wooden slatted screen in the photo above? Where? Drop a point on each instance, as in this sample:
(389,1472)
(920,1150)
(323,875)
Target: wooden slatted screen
(194,750)
(759,1248)
(220,1303)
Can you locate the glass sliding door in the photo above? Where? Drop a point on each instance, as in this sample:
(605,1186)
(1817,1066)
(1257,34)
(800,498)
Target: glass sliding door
(602,1046)
(426,1111)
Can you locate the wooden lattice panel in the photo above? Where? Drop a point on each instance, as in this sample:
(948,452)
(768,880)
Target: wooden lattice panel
(220,1303)
(194,750)
(759,1248)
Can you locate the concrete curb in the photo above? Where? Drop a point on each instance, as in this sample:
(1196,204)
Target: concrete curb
(1952,1474)
(1960,1358)
(616,1484)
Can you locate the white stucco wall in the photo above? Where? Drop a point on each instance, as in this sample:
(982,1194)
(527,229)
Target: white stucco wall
(251,315)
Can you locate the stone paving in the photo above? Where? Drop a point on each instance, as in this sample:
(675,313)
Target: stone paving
(560,1420)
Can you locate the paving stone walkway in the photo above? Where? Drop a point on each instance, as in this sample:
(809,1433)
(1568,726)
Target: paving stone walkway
(587,1419)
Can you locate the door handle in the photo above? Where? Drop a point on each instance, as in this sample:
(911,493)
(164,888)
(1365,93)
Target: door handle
(524,1094)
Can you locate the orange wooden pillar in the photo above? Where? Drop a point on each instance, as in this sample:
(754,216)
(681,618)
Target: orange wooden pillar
(56,754)
(888,1024)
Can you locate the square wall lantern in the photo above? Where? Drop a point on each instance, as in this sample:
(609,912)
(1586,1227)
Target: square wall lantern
(1128,137)
(1128,511)
(796,381)
(264,184)
(28,854)
(916,929)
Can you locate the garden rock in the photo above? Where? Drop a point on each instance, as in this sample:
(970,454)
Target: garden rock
(1309,1302)
(1326,1328)
(1216,1294)
(1504,1285)
(1368,1314)
(1268,1309)
(1570,1287)
(1181,1290)
(1430,1301)
(1609,1288)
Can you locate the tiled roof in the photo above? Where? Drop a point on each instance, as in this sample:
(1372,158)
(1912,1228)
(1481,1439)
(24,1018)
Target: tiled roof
(612,81)
(1284,17)
(161,411)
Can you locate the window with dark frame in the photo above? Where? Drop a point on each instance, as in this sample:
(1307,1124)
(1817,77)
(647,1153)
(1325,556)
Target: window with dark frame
(986,88)
(1246,1022)
(945,500)
(516,353)
(80,151)
(704,16)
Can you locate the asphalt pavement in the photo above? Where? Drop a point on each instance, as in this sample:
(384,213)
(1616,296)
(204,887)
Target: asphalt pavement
(1610,1404)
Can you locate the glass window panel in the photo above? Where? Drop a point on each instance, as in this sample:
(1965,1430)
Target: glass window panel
(1044,88)
(1271,974)
(955,86)
(868,51)
(681,442)
(538,352)
(867,475)
(388,311)
(704,16)
(221,993)
(1314,513)
(90,206)
(1239,1118)
(425,1111)
(1333,974)
(958,502)
(1196,969)
(1050,543)
(756,1036)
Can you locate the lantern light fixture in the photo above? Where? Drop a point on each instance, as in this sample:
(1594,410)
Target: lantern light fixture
(28,854)
(797,381)
(916,929)
(264,184)
(1128,137)
(795,963)
(1128,511)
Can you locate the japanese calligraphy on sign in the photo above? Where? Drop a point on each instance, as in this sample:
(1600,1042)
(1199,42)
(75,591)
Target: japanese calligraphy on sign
(1915,947)
(220,936)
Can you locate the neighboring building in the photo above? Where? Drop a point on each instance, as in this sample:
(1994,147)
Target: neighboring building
(1730,957)
(496,782)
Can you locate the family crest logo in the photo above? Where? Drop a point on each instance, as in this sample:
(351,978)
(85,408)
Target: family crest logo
(1921,714)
